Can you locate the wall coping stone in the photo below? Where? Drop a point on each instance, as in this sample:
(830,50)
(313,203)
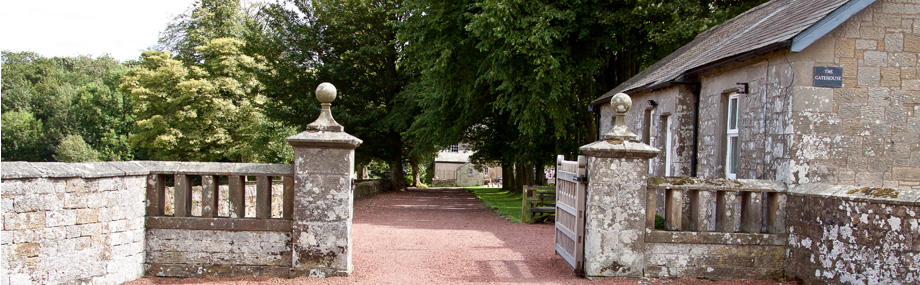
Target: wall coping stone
(904,196)
(619,149)
(324,139)
(26,170)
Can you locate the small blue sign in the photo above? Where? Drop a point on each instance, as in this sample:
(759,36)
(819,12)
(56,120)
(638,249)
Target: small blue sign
(828,76)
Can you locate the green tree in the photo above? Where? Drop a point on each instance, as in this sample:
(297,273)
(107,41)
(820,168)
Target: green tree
(205,112)
(74,149)
(68,95)
(353,45)
(512,77)
(204,21)
(22,137)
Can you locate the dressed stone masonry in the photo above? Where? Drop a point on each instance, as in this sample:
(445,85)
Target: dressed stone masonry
(323,203)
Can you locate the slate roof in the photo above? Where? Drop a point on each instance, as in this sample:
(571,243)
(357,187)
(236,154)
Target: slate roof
(761,29)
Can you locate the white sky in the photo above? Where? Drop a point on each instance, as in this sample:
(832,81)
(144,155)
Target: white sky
(120,28)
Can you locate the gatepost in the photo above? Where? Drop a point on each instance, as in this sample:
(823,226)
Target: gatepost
(615,218)
(324,158)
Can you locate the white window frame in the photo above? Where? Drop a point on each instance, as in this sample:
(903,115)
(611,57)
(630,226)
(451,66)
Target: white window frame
(731,132)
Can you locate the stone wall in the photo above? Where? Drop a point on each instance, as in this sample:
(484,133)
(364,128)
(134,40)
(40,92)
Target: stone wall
(72,223)
(839,234)
(366,188)
(714,261)
(213,253)
(763,132)
(866,133)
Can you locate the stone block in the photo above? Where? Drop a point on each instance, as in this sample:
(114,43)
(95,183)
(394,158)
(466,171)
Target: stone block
(24,250)
(910,85)
(902,59)
(869,76)
(906,173)
(894,42)
(891,77)
(322,198)
(879,97)
(85,216)
(872,33)
(875,58)
(36,202)
(31,220)
(323,161)
(887,20)
(912,43)
(866,44)
(321,249)
(844,48)
(813,99)
(908,72)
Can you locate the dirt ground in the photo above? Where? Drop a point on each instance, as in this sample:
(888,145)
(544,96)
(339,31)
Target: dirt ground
(438,236)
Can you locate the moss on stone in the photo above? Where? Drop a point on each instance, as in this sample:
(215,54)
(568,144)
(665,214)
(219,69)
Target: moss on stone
(875,192)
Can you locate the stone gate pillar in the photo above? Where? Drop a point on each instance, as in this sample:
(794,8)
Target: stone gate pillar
(615,203)
(324,159)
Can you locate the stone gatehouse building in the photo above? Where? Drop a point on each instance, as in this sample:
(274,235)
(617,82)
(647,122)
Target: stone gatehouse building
(822,91)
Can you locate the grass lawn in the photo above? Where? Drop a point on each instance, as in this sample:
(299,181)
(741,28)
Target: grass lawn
(505,203)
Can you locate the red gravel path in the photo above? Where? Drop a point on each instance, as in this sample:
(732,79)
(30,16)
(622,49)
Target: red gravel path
(436,236)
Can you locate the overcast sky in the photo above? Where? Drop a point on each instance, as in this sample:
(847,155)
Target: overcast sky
(120,28)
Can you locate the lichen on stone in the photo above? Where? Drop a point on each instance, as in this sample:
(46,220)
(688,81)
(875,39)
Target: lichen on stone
(876,192)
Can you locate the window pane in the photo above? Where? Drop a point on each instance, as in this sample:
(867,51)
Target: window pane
(733,113)
(733,155)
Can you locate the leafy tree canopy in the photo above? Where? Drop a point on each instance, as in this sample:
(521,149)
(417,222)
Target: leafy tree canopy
(64,96)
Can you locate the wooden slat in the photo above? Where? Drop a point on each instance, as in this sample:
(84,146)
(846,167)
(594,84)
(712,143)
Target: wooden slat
(156,194)
(237,196)
(263,197)
(288,198)
(183,196)
(209,196)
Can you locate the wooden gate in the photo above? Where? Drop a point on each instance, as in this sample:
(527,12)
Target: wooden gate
(570,211)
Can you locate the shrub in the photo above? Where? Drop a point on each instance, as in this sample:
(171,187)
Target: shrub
(73,149)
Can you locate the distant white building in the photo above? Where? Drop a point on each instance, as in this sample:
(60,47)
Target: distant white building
(452,167)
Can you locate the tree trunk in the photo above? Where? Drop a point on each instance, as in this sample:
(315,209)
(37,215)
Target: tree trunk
(507,176)
(397,174)
(416,176)
(519,178)
(541,175)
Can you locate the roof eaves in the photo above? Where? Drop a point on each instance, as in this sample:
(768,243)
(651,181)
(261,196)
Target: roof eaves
(828,24)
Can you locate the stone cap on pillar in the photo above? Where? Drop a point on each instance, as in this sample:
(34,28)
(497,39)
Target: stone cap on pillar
(325,131)
(619,141)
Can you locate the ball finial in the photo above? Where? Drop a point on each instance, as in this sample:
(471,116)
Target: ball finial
(621,102)
(325,92)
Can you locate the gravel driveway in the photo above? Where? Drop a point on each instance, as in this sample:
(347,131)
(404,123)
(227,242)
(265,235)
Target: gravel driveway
(436,236)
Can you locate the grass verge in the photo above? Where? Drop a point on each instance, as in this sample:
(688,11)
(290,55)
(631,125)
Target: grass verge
(505,203)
